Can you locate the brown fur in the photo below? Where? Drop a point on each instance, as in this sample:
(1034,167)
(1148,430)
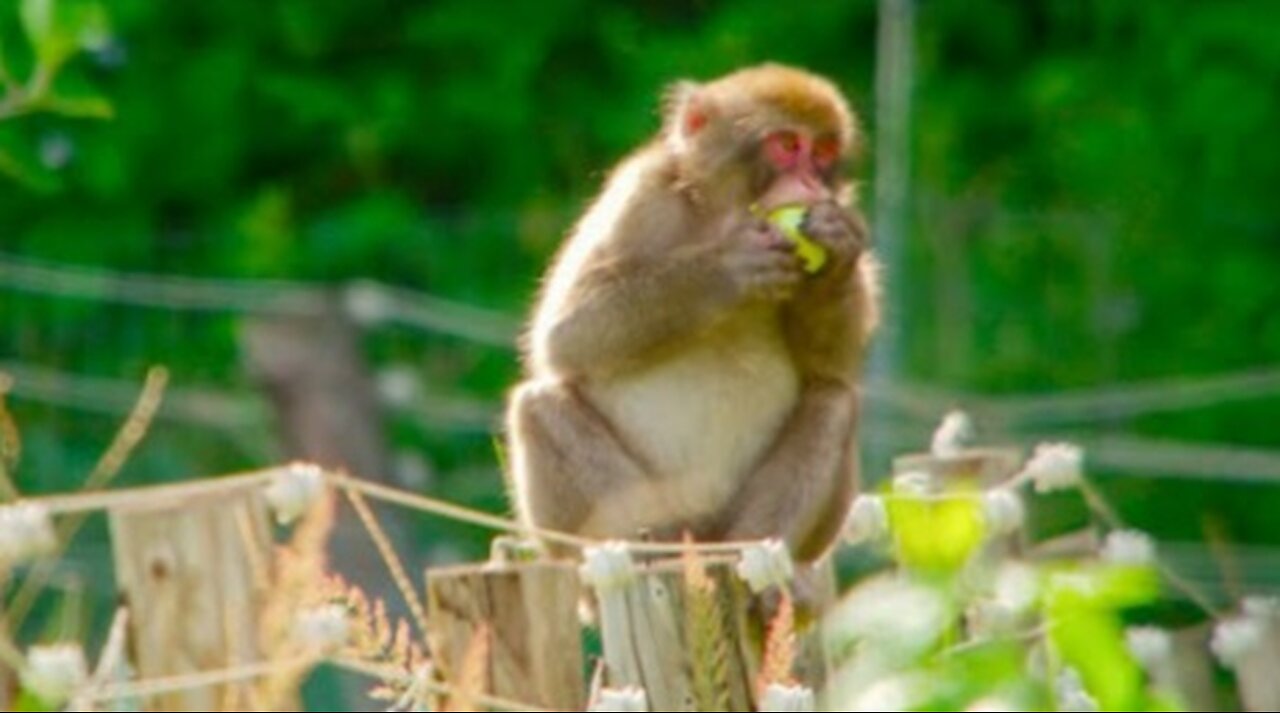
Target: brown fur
(682,372)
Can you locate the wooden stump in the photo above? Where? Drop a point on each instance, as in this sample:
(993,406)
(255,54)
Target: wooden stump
(186,569)
(686,641)
(530,614)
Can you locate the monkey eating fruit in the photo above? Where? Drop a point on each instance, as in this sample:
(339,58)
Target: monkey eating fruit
(790,220)
(692,362)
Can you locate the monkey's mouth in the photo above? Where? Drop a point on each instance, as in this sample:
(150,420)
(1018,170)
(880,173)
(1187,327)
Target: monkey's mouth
(794,188)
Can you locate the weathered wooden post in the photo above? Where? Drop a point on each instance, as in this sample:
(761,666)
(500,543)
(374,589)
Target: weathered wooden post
(530,611)
(190,568)
(676,629)
(983,467)
(1190,672)
(1251,645)
(8,677)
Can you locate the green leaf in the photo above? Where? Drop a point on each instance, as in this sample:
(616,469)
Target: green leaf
(28,701)
(57,29)
(1083,610)
(936,534)
(86,107)
(27,173)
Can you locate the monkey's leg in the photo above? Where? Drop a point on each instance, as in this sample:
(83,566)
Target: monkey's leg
(801,490)
(570,471)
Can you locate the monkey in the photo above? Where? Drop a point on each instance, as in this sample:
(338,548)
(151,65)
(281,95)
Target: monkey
(682,373)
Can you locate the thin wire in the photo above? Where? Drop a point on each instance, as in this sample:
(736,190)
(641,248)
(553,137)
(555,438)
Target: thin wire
(459,513)
(1099,504)
(381,302)
(398,305)
(175,493)
(384,673)
(162,685)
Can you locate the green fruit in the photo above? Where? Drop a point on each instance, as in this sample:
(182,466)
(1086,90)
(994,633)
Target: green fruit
(788,219)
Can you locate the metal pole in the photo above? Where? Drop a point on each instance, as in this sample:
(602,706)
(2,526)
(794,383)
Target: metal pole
(895,68)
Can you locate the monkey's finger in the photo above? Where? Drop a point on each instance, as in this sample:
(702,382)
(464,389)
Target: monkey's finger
(785,260)
(784,279)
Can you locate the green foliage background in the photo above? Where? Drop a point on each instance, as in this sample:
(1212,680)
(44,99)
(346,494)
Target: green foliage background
(1094,196)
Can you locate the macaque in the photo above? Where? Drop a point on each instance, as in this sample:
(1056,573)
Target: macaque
(685,374)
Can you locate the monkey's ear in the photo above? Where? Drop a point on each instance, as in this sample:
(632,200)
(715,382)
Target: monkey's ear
(688,111)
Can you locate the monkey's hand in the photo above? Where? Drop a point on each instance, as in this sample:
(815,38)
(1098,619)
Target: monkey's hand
(825,323)
(842,233)
(759,262)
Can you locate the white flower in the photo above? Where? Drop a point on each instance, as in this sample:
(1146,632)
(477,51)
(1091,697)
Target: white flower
(55,672)
(1262,608)
(1234,639)
(915,483)
(788,698)
(892,618)
(890,695)
(1129,548)
(1003,512)
(26,532)
(399,385)
(868,520)
(1150,645)
(954,434)
(1017,587)
(621,700)
(608,566)
(294,490)
(766,564)
(56,150)
(1054,467)
(323,628)
(1071,693)
(1016,591)
(368,303)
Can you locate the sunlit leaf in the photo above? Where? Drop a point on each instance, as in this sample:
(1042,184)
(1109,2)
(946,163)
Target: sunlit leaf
(1083,609)
(57,29)
(936,534)
(28,701)
(86,107)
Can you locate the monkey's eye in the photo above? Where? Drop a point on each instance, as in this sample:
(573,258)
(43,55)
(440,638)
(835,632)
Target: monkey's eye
(826,151)
(782,148)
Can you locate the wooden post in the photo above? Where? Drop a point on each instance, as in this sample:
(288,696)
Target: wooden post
(191,572)
(1190,673)
(8,677)
(984,467)
(1258,675)
(653,624)
(531,613)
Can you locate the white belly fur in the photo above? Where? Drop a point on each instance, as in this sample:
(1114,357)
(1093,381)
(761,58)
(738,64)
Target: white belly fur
(704,416)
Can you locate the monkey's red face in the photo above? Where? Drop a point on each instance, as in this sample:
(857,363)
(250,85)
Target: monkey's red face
(801,165)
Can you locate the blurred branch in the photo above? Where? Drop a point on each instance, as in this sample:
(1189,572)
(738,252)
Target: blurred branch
(126,440)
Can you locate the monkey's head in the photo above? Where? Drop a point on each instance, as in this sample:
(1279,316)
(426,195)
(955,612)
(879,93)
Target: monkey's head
(768,134)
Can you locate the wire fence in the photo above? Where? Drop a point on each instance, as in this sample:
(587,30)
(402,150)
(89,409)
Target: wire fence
(1021,417)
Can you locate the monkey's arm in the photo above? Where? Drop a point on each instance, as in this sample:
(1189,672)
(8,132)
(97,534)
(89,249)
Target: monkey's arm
(624,310)
(833,313)
(801,490)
